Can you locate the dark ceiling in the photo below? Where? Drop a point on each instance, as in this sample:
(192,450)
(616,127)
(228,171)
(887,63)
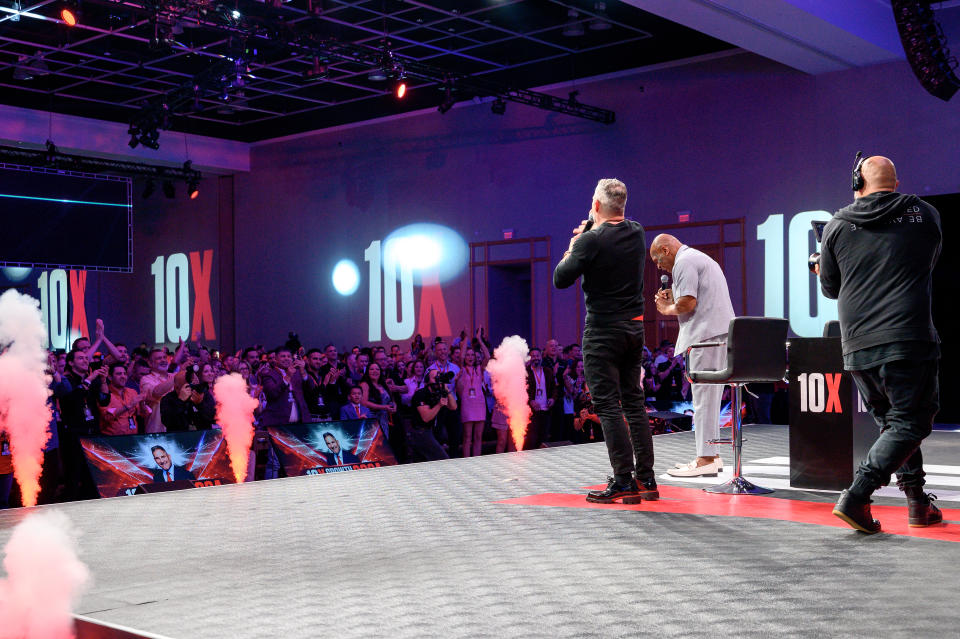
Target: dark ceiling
(254,76)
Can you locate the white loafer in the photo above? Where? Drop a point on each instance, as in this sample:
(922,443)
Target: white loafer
(692,470)
(718,461)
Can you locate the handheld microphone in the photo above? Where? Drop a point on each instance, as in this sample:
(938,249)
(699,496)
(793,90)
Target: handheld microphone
(663,282)
(589,224)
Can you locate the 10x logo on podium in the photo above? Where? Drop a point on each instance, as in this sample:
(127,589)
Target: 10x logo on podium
(820,392)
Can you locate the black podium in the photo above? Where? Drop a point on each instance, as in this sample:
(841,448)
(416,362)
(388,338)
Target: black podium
(830,428)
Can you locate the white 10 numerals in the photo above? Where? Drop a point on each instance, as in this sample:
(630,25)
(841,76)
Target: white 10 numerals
(397,327)
(53,306)
(171,298)
(799,281)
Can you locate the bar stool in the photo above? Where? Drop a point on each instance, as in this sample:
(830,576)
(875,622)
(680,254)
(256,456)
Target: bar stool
(756,352)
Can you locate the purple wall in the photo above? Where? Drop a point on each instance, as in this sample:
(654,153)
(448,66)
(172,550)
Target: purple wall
(729,137)
(732,136)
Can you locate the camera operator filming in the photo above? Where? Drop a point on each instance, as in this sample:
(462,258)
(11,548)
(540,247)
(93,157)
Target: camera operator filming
(430,403)
(877,259)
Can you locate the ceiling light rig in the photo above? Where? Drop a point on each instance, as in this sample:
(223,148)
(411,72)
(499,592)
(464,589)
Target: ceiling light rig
(573,27)
(318,70)
(383,64)
(28,68)
(448,100)
(50,156)
(600,21)
(70,12)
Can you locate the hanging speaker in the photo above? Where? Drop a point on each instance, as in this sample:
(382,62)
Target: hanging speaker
(926,47)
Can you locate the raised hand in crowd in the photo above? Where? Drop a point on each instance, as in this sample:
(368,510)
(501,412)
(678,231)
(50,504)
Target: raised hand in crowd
(180,356)
(100,337)
(299,367)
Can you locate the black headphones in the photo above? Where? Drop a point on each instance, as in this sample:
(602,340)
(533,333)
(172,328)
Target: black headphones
(856,182)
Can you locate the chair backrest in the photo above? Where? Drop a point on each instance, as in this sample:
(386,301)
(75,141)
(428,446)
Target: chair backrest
(757,349)
(831,329)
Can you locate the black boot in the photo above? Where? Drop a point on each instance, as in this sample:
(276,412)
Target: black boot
(647,492)
(920,509)
(614,490)
(856,512)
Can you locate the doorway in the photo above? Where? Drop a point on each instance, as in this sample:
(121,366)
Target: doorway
(508,298)
(510,289)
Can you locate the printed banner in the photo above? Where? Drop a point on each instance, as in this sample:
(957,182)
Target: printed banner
(329,447)
(119,464)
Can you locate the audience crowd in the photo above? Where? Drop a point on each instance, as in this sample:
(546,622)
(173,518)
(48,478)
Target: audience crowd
(432,399)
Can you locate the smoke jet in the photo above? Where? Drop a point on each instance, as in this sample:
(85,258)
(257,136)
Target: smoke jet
(235,415)
(24,388)
(44,579)
(508,371)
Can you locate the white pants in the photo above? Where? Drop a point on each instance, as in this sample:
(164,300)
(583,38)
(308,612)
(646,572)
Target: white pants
(706,397)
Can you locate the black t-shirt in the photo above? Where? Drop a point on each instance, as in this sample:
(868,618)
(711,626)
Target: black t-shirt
(334,395)
(313,393)
(424,397)
(78,409)
(611,258)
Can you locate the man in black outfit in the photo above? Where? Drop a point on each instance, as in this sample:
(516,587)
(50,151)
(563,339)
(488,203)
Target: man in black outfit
(877,260)
(430,403)
(610,257)
(79,409)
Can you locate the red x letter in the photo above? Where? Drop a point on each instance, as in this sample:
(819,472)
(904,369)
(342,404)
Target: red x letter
(202,312)
(432,305)
(78,291)
(833,393)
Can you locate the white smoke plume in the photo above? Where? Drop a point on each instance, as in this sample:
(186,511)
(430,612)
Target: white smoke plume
(44,579)
(508,371)
(24,388)
(235,415)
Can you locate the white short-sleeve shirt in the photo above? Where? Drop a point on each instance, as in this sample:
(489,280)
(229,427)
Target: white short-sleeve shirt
(697,275)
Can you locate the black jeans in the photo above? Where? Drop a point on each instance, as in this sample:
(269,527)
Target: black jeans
(611,365)
(422,442)
(903,398)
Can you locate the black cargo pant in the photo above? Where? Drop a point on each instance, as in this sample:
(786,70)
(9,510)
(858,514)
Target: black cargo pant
(903,398)
(611,364)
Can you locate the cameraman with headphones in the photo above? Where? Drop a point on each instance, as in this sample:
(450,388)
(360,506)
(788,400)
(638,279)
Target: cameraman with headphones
(431,402)
(877,259)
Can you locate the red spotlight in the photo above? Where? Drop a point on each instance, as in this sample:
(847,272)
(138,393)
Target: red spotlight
(401,89)
(68,16)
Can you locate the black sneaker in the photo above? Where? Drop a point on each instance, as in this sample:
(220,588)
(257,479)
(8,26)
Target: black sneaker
(920,509)
(612,492)
(856,513)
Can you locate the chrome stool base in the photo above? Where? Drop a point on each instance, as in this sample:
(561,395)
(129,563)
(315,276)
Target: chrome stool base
(738,486)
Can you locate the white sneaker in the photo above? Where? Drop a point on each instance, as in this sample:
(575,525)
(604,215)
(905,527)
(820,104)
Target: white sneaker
(692,470)
(718,461)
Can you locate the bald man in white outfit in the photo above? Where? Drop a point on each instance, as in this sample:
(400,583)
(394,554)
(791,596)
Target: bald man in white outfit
(701,301)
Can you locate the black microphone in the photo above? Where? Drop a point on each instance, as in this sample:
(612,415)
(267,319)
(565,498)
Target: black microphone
(663,282)
(588,225)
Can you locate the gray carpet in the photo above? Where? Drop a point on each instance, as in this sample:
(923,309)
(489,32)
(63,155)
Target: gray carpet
(422,551)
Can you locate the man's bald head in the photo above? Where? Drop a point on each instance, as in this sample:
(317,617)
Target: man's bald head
(879,174)
(663,251)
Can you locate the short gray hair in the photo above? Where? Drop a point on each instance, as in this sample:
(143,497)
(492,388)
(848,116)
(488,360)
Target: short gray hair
(612,194)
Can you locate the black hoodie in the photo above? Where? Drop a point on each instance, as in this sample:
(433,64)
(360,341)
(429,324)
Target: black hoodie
(877,259)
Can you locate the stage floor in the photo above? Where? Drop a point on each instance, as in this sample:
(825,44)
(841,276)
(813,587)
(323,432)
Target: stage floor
(496,547)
